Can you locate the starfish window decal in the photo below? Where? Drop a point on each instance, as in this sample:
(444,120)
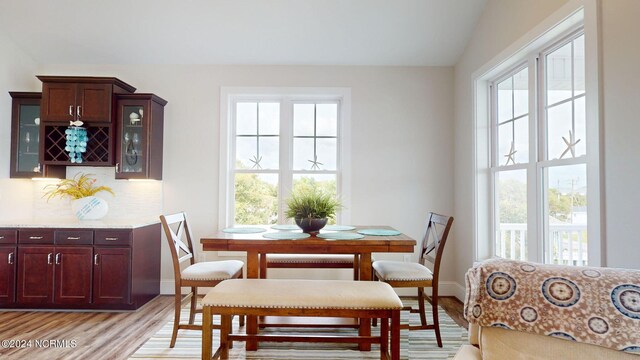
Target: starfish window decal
(510,155)
(571,143)
(315,165)
(256,162)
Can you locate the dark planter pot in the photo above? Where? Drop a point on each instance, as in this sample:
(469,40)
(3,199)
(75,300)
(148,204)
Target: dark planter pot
(311,225)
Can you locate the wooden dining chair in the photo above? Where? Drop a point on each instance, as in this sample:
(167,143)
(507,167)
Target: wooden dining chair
(406,274)
(193,275)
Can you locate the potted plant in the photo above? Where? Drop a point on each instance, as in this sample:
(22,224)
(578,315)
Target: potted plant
(312,208)
(81,190)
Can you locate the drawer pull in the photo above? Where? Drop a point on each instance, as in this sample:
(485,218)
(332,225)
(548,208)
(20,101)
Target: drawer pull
(73,237)
(111,238)
(95,259)
(10,259)
(49,258)
(1,237)
(35,237)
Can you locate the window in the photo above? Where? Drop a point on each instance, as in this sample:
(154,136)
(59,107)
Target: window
(275,142)
(538,158)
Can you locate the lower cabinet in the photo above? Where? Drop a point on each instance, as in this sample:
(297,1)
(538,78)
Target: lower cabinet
(80,268)
(7,275)
(111,275)
(54,275)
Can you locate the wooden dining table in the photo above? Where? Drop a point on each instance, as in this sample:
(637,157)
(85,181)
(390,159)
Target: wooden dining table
(257,247)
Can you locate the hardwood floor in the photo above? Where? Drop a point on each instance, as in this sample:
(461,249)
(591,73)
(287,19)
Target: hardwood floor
(96,335)
(104,335)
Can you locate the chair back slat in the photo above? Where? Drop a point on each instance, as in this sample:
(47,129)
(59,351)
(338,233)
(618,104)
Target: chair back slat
(435,237)
(178,233)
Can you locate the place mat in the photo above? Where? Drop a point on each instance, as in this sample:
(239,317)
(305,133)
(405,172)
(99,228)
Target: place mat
(286,235)
(340,236)
(244,230)
(339,227)
(379,232)
(285,227)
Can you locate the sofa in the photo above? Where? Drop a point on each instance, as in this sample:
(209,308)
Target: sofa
(522,310)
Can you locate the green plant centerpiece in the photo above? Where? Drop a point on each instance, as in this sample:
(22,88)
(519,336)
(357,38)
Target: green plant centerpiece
(81,190)
(312,208)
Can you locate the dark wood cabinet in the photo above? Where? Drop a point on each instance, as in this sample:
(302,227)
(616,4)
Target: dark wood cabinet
(25,138)
(111,275)
(35,275)
(79,268)
(88,99)
(72,271)
(140,123)
(7,275)
(54,275)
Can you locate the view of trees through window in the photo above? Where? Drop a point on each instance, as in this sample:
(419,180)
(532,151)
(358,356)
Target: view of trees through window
(305,133)
(257,198)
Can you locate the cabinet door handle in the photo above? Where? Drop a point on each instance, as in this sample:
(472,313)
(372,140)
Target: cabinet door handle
(1,237)
(78,111)
(49,258)
(111,238)
(35,237)
(95,259)
(71,110)
(117,168)
(39,168)
(58,258)
(73,237)
(10,259)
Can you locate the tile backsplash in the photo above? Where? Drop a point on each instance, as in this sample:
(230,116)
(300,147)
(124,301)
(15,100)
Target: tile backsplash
(133,200)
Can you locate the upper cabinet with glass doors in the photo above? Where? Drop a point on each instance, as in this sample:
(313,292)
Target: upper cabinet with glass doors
(139,146)
(25,138)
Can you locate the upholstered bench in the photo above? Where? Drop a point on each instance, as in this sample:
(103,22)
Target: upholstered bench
(310,298)
(310,261)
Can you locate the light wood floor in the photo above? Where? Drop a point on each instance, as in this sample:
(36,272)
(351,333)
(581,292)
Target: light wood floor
(105,335)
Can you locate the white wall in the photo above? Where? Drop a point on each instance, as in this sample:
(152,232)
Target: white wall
(501,24)
(402,126)
(621,72)
(16,74)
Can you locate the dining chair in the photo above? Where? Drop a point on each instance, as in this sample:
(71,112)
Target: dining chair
(407,274)
(193,275)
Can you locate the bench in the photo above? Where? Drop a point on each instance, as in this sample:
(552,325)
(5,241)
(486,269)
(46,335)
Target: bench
(309,298)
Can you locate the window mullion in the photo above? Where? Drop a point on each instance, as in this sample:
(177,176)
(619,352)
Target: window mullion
(286,156)
(534,248)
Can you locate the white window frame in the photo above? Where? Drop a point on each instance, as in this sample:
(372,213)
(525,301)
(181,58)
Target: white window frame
(574,14)
(229,96)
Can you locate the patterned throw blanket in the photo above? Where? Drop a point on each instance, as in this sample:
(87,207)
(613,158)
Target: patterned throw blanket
(599,306)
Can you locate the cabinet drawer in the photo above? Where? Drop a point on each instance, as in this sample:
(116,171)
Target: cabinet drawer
(113,237)
(8,236)
(35,236)
(73,237)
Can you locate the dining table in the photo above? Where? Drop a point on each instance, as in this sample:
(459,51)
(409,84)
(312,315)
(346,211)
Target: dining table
(257,245)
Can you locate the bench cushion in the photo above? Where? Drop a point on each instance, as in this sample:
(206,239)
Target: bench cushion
(212,270)
(309,258)
(303,294)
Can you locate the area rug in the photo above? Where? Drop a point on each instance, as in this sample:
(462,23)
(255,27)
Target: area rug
(413,345)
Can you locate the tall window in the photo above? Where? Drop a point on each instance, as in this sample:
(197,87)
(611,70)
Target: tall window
(276,144)
(539,156)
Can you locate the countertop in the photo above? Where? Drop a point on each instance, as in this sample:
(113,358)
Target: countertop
(72,223)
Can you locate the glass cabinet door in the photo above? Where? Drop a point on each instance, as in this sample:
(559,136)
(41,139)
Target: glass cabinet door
(132,141)
(29,135)
(25,135)
(139,139)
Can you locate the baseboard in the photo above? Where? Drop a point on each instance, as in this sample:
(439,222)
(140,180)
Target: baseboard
(447,288)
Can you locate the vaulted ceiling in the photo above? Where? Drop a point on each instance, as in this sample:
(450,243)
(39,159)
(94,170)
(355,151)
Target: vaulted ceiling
(283,32)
